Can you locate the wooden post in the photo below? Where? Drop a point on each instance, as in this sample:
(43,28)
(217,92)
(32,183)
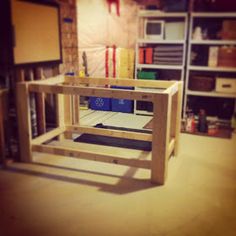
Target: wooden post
(160,138)
(24,122)
(64,109)
(76,105)
(178,117)
(174,106)
(40,104)
(60,112)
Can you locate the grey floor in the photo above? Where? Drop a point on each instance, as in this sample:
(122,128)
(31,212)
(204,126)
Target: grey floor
(63,196)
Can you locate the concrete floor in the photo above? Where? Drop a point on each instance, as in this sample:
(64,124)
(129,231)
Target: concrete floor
(63,196)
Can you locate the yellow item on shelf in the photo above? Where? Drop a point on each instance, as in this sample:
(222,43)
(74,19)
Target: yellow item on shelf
(81,73)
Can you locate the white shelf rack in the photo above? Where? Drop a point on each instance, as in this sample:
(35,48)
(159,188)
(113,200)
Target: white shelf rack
(163,67)
(163,41)
(141,41)
(161,14)
(213,42)
(211,94)
(207,68)
(214,71)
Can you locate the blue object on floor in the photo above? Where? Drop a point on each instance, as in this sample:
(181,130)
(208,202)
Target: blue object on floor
(99,103)
(122,105)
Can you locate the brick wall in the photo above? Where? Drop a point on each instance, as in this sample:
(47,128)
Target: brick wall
(69,36)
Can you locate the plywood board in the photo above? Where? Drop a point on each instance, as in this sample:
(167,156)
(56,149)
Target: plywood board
(36,29)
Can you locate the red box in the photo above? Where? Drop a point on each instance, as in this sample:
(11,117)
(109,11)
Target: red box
(141,55)
(148,56)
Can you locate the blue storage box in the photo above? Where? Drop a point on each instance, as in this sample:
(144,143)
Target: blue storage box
(122,105)
(99,103)
(175,5)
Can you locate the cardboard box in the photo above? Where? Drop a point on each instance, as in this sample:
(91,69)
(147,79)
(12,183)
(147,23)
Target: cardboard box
(227,56)
(226,85)
(229,30)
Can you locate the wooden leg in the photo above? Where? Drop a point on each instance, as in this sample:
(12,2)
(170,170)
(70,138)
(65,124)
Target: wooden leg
(174,103)
(160,138)
(68,113)
(178,117)
(60,113)
(76,104)
(24,122)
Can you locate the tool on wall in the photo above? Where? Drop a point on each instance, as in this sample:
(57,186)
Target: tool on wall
(117,3)
(85,64)
(110,61)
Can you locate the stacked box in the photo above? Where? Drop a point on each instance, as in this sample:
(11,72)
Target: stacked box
(147,75)
(122,105)
(100,103)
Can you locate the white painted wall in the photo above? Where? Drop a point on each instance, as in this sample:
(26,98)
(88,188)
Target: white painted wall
(97,28)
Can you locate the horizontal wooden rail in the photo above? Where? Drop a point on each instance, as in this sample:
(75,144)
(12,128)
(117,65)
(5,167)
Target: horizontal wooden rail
(93,156)
(94,92)
(48,136)
(119,82)
(110,132)
(50,81)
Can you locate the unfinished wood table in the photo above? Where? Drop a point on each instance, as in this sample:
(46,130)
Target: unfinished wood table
(166,119)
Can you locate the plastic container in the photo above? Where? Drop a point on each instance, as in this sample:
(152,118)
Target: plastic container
(100,103)
(122,105)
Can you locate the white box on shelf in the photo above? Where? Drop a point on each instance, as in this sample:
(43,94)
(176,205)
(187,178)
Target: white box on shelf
(226,85)
(154,29)
(213,56)
(174,30)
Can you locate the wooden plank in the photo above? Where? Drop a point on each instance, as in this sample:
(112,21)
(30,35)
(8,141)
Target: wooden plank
(60,113)
(160,138)
(75,105)
(50,81)
(93,91)
(68,109)
(97,117)
(84,113)
(171,147)
(93,156)
(119,82)
(24,122)
(174,103)
(109,132)
(178,117)
(40,104)
(49,135)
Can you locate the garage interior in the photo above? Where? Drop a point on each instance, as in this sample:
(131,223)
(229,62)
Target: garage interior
(56,194)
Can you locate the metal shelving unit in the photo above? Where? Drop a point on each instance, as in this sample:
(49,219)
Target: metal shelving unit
(205,16)
(142,41)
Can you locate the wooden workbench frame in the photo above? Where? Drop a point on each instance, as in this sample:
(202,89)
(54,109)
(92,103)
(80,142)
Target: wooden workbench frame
(166,119)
